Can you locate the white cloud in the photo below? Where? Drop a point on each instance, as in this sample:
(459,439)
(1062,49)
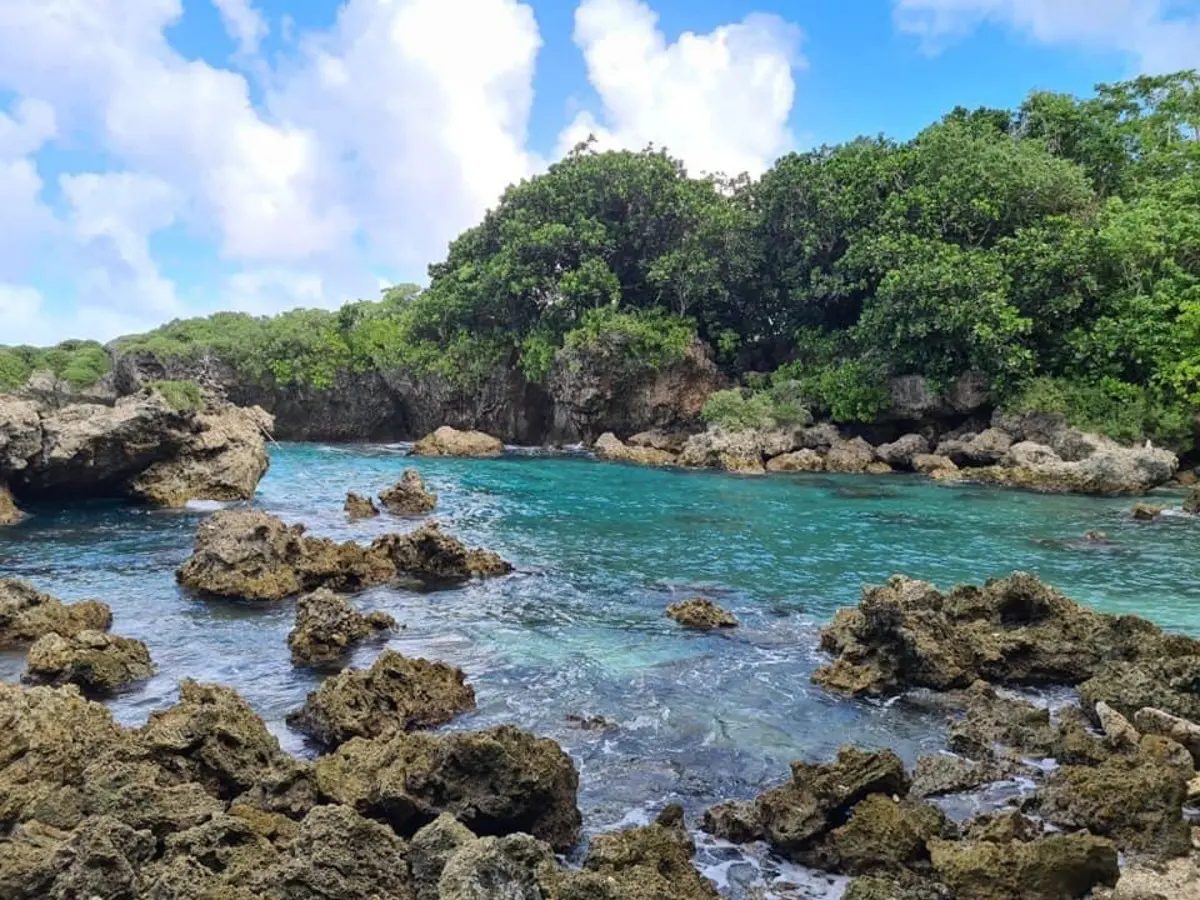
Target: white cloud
(243,23)
(1159,35)
(21,313)
(720,101)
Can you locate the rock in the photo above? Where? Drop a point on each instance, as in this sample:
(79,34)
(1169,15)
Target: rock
(853,455)
(1003,827)
(1191,502)
(702,613)
(871,887)
(359,507)
(1011,630)
(327,627)
(27,614)
(878,468)
(395,694)
(719,448)
(945,773)
(733,820)
(609,446)
(657,439)
(9,513)
(1165,682)
(1151,879)
(1111,470)
(515,867)
(447,441)
(1029,454)
(915,398)
(1183,732)
(431,848)
(992,720)
(930,464)
(224,459)
(1054,867)
(101,858)
(496,782)
(97,661)
(988,447)
(224,857)
(251,555)
(803,460)
(1146,512)
(409,496)
(902,452)
(883,835)
(1117,730)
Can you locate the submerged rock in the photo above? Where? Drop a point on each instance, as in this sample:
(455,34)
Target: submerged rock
(447,441)
(327,627)
(252,555)
(97,661)
(1146,512)
(1011,630)
(395,694)
(499,781)
(359,507)
(27,614)
(701,613)
(609,446)
(409,496)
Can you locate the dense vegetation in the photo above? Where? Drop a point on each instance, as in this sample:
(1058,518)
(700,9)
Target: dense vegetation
(81,363)
(1055,247)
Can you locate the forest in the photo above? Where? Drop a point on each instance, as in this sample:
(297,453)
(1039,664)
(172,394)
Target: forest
(1054,247)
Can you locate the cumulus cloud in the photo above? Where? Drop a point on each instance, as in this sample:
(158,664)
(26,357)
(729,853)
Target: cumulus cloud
(720,101)
(243,23)
(1159,35)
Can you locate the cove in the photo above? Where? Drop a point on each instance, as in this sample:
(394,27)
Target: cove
(578,630)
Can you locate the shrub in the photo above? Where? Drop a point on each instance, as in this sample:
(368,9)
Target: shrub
(739,409)
(183,396)
(644,338)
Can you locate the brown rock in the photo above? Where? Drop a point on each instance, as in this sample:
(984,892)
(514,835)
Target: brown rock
(853,455)
(883,835)
(609,446)
(9,513)
(803,460)
(431,848)
(902,452)
(97,661)
(1183,732)
(359,507)
(395,694)
(1054,867)
(701,613)
(431,554)
(327,627)
(516,866)
(1146,512)
(931,464)
(27,614)
(409,496)
(1191,502)
(447,441)
(733,820)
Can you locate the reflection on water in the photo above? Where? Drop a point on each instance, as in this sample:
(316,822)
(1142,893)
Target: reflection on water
(578,630)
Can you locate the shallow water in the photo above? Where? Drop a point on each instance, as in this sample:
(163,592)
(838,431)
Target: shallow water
(600,549)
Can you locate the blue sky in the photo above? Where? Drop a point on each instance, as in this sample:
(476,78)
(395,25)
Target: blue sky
(164,158)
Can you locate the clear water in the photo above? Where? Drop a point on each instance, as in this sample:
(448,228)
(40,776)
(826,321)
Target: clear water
(600,550)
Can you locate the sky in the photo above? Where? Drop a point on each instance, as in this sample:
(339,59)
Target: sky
(168,158)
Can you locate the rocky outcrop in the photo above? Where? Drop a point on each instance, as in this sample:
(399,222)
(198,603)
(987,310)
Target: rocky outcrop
(701,613)
(10,514)
(409,496)
(495,782)
(854,455)
(27,614)
(327,627)
(359,507)
(1011,630)
(609,446)
(447,441)
(255,556)
(901,453)
(99,662)
(138,447)
(1183,732)
(395,694)
(915,399)
(516,866)
(804,460)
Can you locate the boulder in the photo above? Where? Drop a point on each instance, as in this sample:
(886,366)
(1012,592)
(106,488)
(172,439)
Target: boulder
(854,455)
(252,555)
(1191,501)
(409,496)
(1117,730)
(902,452)
(1054,867)
(1011,630)
(516,866)
(883,835)
(431,848)
(97,661)
(915,398)
(1166,682)
(734,820)
(395,694)
(657,439)
(1183,732)
(719,448)
(496,782)
(609,446)
(224,857)
(701,613)
(359,507)
(27,614)
(803,460)
(447,441)
(327,627)
(946,773)
(1029,454)
(932,464)
(10,514)
(1109,471)
(1146,512)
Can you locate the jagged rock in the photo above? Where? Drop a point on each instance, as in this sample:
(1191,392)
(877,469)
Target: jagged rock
(97,661)
(9,513)
(984,449)
(395,694)
(499,781)
(873,887)
(902,452)
(224,459)
(447,441)
(657,439)
(992,720)
(1152,879)
(803,460)
(223,857)
(431,848)
(1117,730)
(719,448)
(653,862)
(1183,732)
(359,507)
(733,820)
(1011,630)
(882,835)
(409,496)
(797,815)
(514,867)
(1165,682)
(1146,512)
(1055,867)
(1030,454)
(854,455)
(609,446)
(944,773)
(27,614)
(914,397)
(1191,502)
(932,464)
(327,627)
(253,555)
(1003,827)
(701,613)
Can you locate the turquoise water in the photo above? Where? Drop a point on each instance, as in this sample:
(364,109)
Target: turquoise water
(600,550)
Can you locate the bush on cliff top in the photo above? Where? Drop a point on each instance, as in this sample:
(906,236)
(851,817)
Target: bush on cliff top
(182,396)
(80,363)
